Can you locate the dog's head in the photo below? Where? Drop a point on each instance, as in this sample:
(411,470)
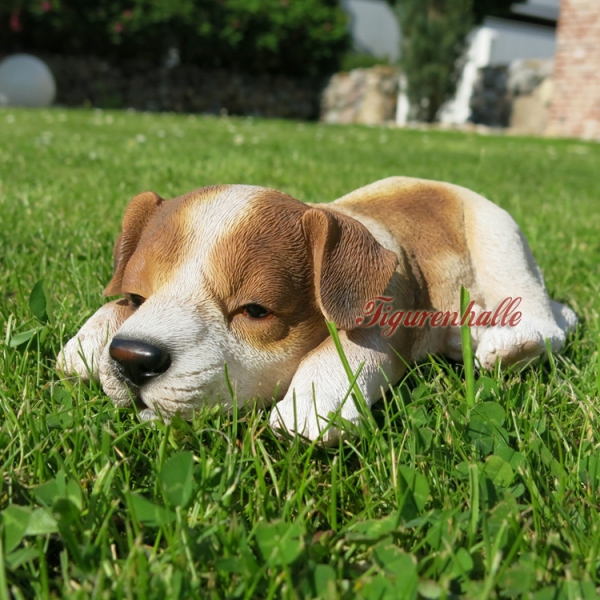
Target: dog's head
(231,275)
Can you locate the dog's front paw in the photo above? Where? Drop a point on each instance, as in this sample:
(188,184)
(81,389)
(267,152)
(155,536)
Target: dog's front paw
(287,418)
(81,357)
(313,417)
(318,404)
(82,353)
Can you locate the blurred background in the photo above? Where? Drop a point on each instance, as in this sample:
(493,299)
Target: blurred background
(531,66)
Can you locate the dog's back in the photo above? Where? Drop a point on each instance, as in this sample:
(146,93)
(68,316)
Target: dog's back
(427,218)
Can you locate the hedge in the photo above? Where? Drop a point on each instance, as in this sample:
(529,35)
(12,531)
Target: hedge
(297,37)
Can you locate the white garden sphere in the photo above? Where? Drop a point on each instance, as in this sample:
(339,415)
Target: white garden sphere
(26,81)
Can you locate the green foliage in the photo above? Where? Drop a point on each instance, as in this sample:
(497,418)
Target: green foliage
(434,36)
(279,543)
(467,348)
(432,499)
(297,37)
(40,308)
(355,60)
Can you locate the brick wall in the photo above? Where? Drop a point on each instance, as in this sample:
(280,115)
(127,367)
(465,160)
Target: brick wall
(575,109)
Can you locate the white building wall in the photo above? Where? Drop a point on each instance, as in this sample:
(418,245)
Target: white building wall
(514,40)
(374,28)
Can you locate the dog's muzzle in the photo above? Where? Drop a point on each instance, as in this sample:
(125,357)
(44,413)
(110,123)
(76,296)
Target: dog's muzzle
(138,362)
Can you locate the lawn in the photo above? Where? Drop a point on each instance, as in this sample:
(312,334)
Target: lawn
(432,500)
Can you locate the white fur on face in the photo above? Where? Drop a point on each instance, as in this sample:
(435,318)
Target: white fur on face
(197,337)
(192,335)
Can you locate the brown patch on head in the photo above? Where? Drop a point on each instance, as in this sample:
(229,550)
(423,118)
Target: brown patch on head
(263,260)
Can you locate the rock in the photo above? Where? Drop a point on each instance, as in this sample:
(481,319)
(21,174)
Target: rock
(528,116)
(530,112)
(526,75)
(367,96)
(545,91)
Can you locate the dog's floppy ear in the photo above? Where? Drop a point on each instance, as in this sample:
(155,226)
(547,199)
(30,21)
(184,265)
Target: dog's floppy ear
(137,215)
(350,266)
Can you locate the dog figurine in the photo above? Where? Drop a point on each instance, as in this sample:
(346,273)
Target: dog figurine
(247,276)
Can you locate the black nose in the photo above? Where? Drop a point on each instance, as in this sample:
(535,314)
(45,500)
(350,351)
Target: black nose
(139,361)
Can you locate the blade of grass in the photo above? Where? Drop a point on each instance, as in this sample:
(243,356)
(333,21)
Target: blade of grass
(356,391)
(467,347)
(3,585)
(598,369)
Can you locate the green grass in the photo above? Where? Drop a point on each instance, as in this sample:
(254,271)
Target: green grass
(432,498)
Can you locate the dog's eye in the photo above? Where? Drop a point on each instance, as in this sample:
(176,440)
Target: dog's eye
(135,300)
(256,311)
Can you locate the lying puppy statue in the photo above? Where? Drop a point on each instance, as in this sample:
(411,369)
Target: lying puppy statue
(246,276)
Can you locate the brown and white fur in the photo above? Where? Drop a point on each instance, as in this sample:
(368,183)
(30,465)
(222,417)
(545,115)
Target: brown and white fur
(201,263)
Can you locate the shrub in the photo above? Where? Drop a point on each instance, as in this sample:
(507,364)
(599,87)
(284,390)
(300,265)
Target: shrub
(297,37)
(434,36)
(357,60)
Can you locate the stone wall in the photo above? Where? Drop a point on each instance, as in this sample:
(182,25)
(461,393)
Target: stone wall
(516,96)
(575,109)
(367,96)
(88,81)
